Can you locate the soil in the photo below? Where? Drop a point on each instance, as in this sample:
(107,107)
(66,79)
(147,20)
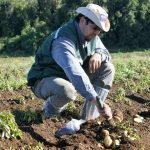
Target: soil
(89,137)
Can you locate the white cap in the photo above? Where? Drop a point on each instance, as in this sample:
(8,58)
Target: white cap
(96,14)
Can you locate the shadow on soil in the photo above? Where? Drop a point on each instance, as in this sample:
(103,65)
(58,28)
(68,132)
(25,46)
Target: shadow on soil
(145,104)
(36,136)
(138,99)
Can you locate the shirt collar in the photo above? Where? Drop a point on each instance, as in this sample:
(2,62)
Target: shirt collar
(80,34)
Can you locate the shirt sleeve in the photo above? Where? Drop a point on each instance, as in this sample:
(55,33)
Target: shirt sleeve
(101,49)
(63,52)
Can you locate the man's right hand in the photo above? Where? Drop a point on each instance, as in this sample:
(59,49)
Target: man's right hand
(106,111)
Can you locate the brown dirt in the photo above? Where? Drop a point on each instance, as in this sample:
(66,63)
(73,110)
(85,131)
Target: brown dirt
(89,137)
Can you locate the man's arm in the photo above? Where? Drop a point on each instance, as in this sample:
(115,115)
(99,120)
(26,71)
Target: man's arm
(63,52)
(101,55)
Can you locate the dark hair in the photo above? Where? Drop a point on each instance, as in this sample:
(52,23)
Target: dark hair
(77,19)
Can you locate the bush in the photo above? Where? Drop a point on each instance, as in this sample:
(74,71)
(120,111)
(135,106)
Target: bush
(29,40)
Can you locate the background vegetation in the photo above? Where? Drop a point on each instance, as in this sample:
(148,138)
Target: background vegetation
(24,23)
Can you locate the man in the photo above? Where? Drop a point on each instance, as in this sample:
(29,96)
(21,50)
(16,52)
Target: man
(73,59)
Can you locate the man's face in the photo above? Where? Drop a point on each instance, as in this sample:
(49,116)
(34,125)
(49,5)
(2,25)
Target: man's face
(89,30)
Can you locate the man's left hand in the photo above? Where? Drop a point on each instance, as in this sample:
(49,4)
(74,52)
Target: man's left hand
(94,62)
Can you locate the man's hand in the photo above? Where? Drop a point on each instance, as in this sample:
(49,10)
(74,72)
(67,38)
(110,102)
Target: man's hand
(106,112)
(94,63)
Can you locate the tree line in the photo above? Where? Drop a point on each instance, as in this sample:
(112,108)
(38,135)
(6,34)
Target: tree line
(25,23)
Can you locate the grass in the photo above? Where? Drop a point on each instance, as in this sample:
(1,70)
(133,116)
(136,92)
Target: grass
(132,71)
(131,56)
(13,72)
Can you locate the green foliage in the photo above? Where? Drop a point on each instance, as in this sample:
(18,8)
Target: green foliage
(134,75)
(29,116)
(127,127)
(48,12)
(71,107)
(14,15)
(19,99)
(33,116)
(27,147)
(120,96)
(124,72)
(11,78)
(24,24)
(8,126)
(31,37)
(29,40)
(37,147)
(71,110)
(13,75)
(127,24)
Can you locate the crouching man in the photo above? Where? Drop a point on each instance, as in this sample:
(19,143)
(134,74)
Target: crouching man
(73,59)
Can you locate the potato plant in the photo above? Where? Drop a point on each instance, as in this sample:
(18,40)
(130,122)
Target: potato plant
(71,109)
(32,116)
(8,126)
(134,76)
(37,147)
(19,99)
(27,147)
(131,132)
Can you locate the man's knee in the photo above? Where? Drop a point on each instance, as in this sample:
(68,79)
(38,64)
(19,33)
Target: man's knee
(105,75)
(70,93)
(111,69)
